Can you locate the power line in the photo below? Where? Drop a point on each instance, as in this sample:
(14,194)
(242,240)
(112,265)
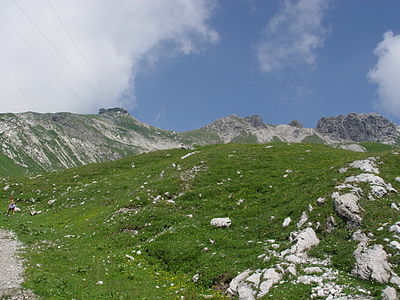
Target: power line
(77,48)
(45,65)
(51,43)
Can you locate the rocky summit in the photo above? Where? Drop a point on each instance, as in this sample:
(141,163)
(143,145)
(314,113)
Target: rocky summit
(359,128)
(35,142)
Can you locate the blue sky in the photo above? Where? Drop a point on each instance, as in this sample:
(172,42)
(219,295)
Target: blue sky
(189,91)
(181,64)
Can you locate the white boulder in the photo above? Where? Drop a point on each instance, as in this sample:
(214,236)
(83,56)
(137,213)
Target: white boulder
(221,222)
(305,240)
(303,219)
(395,228)
(378,191)
(394,206)
(389,293)
(371,263)
(366,165)
(395,245)
(286,222)
(270,277)
(321,201)
(346,206)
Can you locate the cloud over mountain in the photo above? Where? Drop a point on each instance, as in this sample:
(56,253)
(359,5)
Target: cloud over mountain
(386,73)
(293,35)
(79,55)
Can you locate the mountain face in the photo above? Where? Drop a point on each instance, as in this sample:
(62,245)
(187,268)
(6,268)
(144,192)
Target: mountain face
(46,142)
(53,141)
(359,128)
(252,129)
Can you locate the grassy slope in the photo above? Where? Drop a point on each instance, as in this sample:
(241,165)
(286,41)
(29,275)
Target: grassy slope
(171,243)
(9,168)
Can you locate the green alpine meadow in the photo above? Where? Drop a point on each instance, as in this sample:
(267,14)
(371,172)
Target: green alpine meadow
(242,221)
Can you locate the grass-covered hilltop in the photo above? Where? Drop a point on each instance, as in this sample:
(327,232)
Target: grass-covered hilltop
(306,221)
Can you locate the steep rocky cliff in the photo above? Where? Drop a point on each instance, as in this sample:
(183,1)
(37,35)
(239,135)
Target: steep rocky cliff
(359,128)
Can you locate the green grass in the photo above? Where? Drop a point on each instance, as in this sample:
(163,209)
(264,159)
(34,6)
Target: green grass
(313,139)
(9,168)
(84,236)
(245,138)
(377,147)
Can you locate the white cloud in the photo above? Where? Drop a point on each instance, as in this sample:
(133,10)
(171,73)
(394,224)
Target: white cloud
(386,73)
(293,35)
(115,38)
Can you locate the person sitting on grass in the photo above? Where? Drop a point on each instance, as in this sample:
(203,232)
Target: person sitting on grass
(11,206)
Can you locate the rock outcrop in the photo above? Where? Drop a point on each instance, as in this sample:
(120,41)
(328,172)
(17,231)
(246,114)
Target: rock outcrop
(371,263)
(359,128)
(295,123)
(346,206)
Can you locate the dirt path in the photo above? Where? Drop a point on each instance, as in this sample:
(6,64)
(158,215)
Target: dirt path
(11,269)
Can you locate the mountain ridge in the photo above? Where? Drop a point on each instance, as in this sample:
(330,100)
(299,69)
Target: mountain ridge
(35,142)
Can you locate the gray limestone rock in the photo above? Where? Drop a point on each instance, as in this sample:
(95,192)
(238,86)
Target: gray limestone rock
(389,293)
(286,222)
(270,277)
(346,206)
(255,121)
(250,285)
(330,224)
(221,222)
(295,123)
(371,263)
(353,147)
(305,240)
(360,237)
(366,165)
(359,128)
(303,219)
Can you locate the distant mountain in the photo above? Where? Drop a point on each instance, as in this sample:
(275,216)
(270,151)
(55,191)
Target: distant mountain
(359,128)
(352,128)
(37,142)
(46,142)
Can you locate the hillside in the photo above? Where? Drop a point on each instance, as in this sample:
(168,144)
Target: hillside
(32,142)
(35,142)
(139,227)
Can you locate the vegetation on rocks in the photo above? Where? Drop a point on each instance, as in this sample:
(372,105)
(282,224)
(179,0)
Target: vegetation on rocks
(139,227)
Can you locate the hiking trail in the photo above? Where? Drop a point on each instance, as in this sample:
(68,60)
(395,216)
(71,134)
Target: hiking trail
(11,269)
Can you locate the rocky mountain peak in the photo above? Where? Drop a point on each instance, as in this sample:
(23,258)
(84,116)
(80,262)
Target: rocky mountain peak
(295,123)
(355,127)
(255,121)
(113,110)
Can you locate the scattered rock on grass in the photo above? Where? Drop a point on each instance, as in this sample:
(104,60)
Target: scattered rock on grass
(346,206)
(286,222)
(353,147)
(366,165)
(371,263)
(221,222)
(305,240)
(389,293)
(321,201)
(303,219)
